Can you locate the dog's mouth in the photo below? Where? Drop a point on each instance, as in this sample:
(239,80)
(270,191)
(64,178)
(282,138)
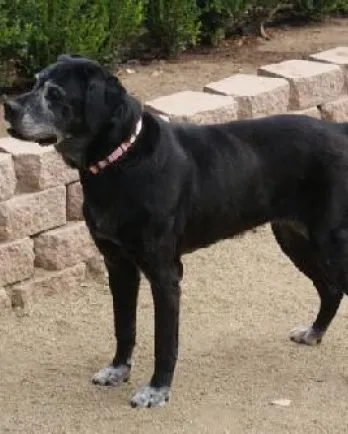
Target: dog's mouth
(43,141)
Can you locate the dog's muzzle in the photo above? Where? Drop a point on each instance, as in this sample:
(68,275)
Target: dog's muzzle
(13,112)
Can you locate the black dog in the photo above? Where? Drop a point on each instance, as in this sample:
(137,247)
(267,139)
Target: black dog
(154,191)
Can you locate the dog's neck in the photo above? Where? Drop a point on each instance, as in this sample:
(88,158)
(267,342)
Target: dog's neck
(117,131)
(118,151)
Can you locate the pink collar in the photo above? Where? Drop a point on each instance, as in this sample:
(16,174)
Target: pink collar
(118,152)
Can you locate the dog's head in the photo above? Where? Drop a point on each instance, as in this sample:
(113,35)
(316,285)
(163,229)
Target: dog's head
(73,102)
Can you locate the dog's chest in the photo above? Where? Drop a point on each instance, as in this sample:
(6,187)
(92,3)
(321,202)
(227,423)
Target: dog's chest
(118,211)
(114,221)
(106,226)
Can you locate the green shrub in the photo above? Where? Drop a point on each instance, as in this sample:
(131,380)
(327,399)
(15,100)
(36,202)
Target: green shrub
(173,24)
(125,25)
(223,17)
(34,32)
(219,15)
(320,8)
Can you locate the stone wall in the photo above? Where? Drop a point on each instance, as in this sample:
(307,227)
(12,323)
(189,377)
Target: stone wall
(44,244)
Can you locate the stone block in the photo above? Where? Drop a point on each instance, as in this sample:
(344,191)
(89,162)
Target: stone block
(47,283)
(63,247)
(255,95)
(337,56)
(74,201)
(96,269)
(16,261)
(7,177)
(196,107)
(335,110)
(311,83)
(30,213)
(313,112)
(5,301)
(37,167)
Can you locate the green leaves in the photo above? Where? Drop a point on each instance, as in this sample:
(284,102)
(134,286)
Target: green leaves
(173,24)
(319,8)
(34,32)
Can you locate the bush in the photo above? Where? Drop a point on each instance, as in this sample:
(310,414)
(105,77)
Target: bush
(223,17)
(125,24)
(34,32)
(173,24)
(218,15)
(320,8)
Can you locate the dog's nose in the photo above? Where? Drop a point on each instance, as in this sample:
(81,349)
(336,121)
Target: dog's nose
(11,108)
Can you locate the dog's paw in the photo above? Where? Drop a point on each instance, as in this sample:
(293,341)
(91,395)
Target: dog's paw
(112,375)
(148,396)
(306,335)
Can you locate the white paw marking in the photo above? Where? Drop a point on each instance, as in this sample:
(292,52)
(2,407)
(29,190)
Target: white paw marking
(306,335)
(112,375)
(148,396)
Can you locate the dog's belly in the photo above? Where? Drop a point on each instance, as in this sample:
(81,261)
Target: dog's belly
(200,234)
(295,226)
(203,233)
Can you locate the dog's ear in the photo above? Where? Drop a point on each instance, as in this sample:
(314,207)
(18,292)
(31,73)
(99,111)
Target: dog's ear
(102,97)
(113,91)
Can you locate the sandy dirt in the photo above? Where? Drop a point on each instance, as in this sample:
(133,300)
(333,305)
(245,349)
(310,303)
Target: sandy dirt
(240,300)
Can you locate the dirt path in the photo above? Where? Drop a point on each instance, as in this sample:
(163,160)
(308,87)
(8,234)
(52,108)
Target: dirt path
(240,299)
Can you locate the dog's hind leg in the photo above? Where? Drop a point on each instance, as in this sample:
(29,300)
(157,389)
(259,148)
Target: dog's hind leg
(296,245)
(334,248)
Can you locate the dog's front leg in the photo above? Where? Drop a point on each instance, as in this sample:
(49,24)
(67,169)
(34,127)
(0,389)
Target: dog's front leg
(124,280)
(166,295)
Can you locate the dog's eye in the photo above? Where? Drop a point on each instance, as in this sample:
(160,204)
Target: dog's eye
(53,93)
